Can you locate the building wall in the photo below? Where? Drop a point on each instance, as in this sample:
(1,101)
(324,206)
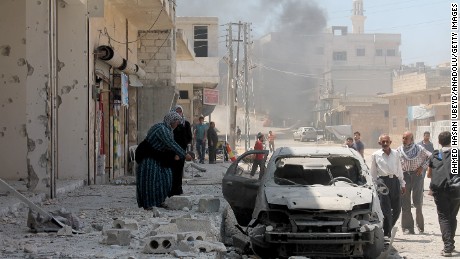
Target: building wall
(13,85)
(187,24)
(409,82)
(398,122)
(369,120)
(73,92)
(156,53)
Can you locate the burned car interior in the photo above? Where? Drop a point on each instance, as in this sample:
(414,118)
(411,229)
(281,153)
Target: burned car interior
(323,171)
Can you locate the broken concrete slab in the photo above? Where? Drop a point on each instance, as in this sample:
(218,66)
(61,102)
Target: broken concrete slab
(120,237)
(178,202)
(208,204)
(125,224)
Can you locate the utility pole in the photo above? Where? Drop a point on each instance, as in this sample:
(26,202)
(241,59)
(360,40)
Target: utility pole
(231,89)
(247,142)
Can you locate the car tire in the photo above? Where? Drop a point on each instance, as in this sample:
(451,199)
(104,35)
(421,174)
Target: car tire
(375,249)
(228,226)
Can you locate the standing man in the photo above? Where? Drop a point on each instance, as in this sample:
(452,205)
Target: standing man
(386,167)
(426,143)
(238,134)
(212,142)
(439,171)
(414,158)
(349,143)
(358,145)
(271,141)
(183,136)
(199,134)
(259,159)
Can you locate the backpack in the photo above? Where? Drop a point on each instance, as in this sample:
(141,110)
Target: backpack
(440,163)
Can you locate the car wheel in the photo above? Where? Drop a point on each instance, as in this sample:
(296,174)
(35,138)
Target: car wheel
(263,252)
(375,249)
(228,226)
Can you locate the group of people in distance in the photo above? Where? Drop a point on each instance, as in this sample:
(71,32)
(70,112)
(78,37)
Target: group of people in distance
(402,170)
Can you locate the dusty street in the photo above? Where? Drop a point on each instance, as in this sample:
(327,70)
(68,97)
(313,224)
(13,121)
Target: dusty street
(98,206)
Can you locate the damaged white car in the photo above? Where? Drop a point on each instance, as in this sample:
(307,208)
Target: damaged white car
(311,201)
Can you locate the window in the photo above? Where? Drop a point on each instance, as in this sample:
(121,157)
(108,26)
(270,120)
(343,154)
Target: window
(379,52)
(395,123)
(183,94)
(339,55)
(385,113)
(406,123)
(201,41)
(391,52)
(361,52)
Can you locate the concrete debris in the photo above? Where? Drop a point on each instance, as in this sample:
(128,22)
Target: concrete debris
(125,224)
(120,237)
(160,244)
(178,202)
(209,204)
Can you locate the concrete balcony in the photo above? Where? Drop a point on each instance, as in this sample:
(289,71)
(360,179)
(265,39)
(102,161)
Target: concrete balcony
(201,72)
(185,51)
(144,13)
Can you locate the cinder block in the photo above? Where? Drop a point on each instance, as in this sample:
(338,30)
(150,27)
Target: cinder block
(125,224)
(206,246)
(178,202)
(163,229)
(160,244)
(189,225)
(191,236)
(120,237)
(209,204)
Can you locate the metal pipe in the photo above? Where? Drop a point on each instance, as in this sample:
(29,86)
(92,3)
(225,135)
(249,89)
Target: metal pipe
(53,106)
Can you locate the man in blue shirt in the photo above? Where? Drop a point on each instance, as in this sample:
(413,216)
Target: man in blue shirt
(199,135)
(358,145)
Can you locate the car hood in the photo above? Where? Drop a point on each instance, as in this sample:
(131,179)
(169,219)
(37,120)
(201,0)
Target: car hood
(321,198)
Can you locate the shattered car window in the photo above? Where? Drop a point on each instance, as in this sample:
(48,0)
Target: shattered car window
(318,171)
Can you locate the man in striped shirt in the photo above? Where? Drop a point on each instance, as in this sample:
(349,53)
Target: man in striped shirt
(414,159)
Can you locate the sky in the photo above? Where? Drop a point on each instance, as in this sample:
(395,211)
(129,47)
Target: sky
(424,25)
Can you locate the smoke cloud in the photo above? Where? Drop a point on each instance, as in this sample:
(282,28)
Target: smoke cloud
(282,87)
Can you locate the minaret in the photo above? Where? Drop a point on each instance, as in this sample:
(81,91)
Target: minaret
(358,18)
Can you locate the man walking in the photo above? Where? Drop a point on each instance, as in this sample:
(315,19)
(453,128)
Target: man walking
(199,134)
(271,141)
(414,158)
(439,171)
(259,159)
(426,143)
(385,167)
(212,142)
(358,145)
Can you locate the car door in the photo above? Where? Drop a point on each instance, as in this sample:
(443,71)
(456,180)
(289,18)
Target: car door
(239,188)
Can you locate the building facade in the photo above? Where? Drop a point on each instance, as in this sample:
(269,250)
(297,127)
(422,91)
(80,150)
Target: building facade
(83,80)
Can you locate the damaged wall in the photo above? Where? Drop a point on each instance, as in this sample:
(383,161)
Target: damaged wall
(72,91)
(156,54)
(13,79)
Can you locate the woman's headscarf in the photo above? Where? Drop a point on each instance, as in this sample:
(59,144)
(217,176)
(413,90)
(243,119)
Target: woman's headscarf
(182,116)
(171,117)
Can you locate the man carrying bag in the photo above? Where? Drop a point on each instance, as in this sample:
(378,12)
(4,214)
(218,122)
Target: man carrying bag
(445,192)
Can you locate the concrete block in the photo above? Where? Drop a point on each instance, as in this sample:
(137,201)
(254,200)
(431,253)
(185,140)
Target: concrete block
(209,204)
(160,244)
(191,236)
(178,202)
(186,246)
(120,237)
(206,246)
(189,225)
(125,224)
(162,229)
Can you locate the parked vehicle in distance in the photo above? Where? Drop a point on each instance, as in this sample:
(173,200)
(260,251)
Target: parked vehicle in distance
(311,201)
(305,134)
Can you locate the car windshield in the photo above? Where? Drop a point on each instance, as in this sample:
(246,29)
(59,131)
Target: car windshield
(328,170)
